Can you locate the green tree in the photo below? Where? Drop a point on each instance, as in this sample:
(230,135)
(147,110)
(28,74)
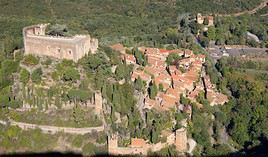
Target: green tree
(37,75)
(211,33)
(204,41)
(30,60)
(195,27)
(172,35)
(206,21)
(78,114)
(153,90)
(71,74)
(172,57)
(24,76)
(161,87)
(8,67)
(121,71)
(140,58)
(58,30)
(139,85)
(89,149)
(79,95)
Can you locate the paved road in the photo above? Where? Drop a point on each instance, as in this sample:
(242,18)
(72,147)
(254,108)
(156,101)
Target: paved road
(54,129)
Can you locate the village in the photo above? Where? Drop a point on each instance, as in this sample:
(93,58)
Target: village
(185,77)
(175,74)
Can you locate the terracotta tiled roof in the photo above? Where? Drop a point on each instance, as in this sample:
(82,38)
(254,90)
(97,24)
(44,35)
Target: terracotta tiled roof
(172,68)
(168,101)
(164,79)
(216,98)
(173,92)
(210,17)
(129,57)
(141,74)
(148,50)
(152,70)
(165,51)
(149,103)
(117,47)
(201,56)
(195,92)
(155,61)
(137,142)
(188,52)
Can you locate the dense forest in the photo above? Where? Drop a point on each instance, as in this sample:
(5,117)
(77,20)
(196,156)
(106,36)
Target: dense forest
(130,21)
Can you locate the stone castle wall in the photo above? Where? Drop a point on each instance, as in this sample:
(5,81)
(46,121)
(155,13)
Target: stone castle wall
(114,149)
(178,138)
(72,48)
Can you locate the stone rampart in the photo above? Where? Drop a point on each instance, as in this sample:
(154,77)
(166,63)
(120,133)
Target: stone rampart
(36,42)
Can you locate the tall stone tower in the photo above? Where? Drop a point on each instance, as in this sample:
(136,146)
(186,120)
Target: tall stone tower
(98,102)
(113,144)
(181,140)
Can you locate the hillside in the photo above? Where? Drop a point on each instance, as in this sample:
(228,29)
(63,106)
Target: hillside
(141,19)
(143,77)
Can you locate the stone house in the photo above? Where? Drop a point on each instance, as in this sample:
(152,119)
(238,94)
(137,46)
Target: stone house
(200,19)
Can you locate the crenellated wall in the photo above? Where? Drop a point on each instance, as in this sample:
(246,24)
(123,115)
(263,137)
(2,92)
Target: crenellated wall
(72,48)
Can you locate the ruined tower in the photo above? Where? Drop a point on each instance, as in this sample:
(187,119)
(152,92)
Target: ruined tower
(36,42)
(113,144)
(98,102)
(181,140)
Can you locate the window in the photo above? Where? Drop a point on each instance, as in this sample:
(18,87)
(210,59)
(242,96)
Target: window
(58,49)
(70,51)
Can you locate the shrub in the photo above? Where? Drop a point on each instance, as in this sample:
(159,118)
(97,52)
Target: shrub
(101,138)
(47,62)
(89,149)
(71,74)
(36,75)
(77,94)
(172,57)
(30,60)
(24,76)
(78,141)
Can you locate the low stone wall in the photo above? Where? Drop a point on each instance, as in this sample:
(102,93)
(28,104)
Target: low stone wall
(54,129)
(113,148)
(65,106)
(127,151)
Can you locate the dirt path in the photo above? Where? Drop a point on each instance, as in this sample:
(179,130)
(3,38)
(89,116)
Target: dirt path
(253,11)
(53,129)
(264,14)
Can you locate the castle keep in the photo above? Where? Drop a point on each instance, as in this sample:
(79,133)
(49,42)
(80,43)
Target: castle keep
(36,42)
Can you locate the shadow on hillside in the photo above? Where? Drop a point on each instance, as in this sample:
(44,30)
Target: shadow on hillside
(45,154)
(258,151)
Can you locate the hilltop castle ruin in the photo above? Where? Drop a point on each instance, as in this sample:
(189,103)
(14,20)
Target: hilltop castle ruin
(36,42)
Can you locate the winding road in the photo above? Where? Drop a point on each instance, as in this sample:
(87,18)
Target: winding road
(263,4)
